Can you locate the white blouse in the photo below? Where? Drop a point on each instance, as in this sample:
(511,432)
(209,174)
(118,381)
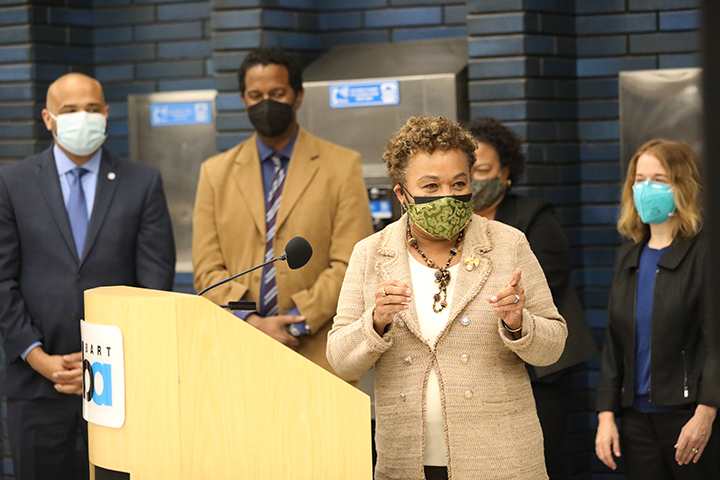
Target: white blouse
(431,324)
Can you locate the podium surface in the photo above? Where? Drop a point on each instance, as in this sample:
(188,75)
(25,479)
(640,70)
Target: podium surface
(209,397)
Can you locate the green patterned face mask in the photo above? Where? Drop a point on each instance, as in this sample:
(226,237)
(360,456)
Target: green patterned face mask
(442,217)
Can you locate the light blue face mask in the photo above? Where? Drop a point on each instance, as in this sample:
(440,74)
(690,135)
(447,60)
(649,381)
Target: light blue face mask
(654,201)
(80,133)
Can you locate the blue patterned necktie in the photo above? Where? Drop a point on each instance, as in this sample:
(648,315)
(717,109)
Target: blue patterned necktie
(269,301)
(77,208)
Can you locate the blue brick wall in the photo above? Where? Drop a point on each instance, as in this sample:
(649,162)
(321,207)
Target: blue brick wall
(547,68)
(145,46)
(309,30)
(37,43)
(613,36)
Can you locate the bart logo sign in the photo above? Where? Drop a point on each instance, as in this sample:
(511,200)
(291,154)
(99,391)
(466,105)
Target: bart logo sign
(103,375)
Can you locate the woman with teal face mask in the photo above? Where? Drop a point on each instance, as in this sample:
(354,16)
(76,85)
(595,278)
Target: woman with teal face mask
(657,367)
(447,306)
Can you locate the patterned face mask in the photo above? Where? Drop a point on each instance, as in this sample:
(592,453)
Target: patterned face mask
(487,192)
(441,217)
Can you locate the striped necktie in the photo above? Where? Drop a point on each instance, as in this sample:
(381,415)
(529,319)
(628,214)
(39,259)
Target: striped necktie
(272,204)
(77,208)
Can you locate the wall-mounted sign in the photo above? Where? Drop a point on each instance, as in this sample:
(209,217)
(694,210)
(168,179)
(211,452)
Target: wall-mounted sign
(380,209)
(187,113)
(364,94)
(103,374)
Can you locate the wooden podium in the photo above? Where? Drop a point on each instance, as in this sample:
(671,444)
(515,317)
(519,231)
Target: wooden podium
(209,397)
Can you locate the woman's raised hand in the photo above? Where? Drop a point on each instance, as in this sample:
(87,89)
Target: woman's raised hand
(391,298)
(509,302)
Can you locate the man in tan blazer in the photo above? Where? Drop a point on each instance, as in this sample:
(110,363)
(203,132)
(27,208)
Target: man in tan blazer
(289,183)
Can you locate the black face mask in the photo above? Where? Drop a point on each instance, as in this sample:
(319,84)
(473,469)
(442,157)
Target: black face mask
(418,200)
(270,118)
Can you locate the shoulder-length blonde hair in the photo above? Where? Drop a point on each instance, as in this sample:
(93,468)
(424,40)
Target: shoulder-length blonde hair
(680,163)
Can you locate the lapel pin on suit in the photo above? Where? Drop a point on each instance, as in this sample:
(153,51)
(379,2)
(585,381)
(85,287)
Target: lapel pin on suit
(471,262)
(111,176)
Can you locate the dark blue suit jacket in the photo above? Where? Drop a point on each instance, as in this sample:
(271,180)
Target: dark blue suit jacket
(129,242)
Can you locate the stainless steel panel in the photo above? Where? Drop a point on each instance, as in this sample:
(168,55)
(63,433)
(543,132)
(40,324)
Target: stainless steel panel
(398,59)
(177,151)
(660,104)
(433,79)
(368,129)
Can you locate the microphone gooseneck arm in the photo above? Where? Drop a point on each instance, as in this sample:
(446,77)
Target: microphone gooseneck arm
(282,256)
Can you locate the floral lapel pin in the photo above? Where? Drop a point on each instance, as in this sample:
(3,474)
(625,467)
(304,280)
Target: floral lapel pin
(471,262)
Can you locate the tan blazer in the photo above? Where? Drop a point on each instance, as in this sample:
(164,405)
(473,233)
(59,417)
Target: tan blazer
(492,429)
(324,200)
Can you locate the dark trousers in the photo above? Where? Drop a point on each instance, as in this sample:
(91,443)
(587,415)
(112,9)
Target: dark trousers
(647,443)
(436,473)
(48,438)
(552,400)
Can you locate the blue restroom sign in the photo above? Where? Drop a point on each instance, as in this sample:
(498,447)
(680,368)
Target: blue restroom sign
(364,94)
(186,113)
(381,209)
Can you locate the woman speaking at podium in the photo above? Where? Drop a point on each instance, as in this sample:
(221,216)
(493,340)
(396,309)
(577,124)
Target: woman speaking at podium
(448,307)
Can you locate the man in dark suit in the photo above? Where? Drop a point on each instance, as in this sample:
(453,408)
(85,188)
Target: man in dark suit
(73,217)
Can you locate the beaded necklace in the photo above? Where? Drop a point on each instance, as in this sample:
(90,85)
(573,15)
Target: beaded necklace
(442,275)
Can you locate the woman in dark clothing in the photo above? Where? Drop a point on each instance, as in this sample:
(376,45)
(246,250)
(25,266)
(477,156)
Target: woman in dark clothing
(656,365)
(499,163)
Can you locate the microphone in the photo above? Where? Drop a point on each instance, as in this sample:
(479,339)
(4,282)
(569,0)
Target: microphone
(297,253)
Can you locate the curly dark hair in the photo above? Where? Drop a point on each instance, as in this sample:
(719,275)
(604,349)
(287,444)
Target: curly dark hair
(425,134)
(506,143)
(271,56)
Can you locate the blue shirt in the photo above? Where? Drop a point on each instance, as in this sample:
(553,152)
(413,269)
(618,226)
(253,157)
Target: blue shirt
(268,173)
(647,271)
(89,184)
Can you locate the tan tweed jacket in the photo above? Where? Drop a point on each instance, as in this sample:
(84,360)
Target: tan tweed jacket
(492,429)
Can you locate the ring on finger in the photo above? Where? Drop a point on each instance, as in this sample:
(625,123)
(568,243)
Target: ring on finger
(383,292)
(517,298)
(695,451)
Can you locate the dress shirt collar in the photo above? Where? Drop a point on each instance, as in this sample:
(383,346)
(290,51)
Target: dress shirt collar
(266,152)
(64,164)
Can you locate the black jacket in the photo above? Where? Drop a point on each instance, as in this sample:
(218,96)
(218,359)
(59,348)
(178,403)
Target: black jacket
(534,217)
(680,359)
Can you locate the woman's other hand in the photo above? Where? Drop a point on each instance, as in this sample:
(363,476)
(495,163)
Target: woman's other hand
(607,439)
(509,302)
(391,298)
(695,435)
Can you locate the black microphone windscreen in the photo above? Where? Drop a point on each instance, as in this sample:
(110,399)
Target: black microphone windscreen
(298,252)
